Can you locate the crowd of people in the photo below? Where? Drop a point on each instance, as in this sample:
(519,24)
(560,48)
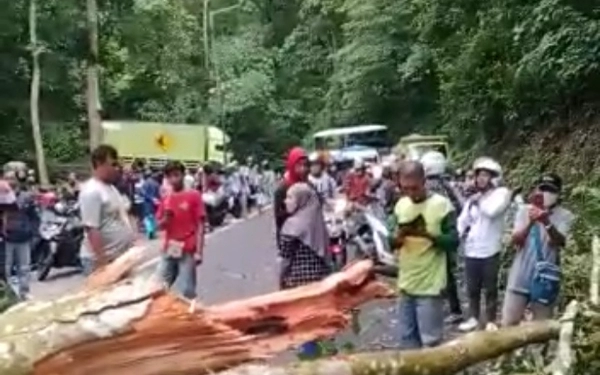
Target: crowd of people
(119,205)
(436,219)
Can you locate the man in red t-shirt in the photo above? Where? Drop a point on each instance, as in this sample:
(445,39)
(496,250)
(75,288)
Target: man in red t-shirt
(358,184)
(181,214)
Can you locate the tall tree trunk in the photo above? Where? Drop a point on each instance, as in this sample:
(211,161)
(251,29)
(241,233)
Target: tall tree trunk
(93,92)
(35,94)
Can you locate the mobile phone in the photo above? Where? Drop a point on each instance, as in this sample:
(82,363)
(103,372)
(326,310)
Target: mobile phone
(537,200)
(416,223)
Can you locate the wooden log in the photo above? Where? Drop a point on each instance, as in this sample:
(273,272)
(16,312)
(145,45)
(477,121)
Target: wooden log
(116,271)
(447,359)
(136,327)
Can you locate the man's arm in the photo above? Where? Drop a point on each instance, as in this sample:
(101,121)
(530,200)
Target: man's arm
(90,204)
(201,215)
(559,231)
(496,204)
(448,240)
(522,226)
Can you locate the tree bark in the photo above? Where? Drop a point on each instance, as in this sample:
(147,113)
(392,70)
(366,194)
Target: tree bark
(444,360)
(93,91)
(136,327)
(35,94)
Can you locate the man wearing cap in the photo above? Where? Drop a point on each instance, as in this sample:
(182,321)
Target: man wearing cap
(540,232)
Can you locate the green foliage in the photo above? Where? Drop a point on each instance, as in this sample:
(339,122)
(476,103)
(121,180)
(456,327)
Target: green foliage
(480,72)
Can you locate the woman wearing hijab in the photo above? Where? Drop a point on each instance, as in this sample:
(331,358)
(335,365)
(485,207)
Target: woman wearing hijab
(302,245)
(304,238)
(296,170)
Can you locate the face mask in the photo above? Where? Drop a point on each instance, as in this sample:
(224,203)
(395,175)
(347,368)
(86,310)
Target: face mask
(550,199)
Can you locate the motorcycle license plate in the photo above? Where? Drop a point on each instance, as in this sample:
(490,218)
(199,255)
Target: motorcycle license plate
(335,249)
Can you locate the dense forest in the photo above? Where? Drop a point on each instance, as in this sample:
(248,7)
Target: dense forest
(271,70)
(519,79)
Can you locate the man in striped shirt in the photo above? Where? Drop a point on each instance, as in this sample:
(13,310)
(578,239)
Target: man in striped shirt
(320,179)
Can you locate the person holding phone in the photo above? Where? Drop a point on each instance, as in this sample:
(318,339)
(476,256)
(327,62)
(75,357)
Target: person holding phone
(425,232)
(547,219)
(182,215)
(481,226)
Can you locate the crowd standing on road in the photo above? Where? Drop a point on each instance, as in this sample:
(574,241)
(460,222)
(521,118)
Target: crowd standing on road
(448,231)
(442,227)
(120,205)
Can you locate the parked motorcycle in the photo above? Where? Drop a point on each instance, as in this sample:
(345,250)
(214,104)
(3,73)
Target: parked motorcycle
(217,206)
(61,235)
(368,238)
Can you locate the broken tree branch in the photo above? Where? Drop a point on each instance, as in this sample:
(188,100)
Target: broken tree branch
(444,360)
(564,354)
(136,327)
(595,276)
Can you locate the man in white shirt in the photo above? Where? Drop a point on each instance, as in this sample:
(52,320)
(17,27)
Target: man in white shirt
(481,226)
(189,181)
(108,232)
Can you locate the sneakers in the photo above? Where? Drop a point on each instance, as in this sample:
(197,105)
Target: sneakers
(491,327)
(468,325)
(453,319)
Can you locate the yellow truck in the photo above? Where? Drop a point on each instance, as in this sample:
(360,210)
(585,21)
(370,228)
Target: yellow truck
(156,142)
(413,146)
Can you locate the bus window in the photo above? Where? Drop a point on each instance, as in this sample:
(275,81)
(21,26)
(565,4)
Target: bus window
(375,139)
(328,143)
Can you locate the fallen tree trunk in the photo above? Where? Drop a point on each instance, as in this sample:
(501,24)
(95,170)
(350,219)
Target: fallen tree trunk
(444,360)
(136,327)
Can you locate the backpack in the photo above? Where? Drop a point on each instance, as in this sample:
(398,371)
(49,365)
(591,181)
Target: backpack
(545,283)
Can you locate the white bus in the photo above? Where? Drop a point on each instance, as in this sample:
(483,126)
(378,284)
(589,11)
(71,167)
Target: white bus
(364,141)
(375,136)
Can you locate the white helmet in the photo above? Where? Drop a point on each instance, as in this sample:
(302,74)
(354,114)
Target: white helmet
(434,163)
(488,164)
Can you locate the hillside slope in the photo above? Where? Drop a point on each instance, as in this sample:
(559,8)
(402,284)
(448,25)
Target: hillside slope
(573,152)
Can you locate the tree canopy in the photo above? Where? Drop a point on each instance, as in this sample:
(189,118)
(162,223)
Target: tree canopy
(275,70)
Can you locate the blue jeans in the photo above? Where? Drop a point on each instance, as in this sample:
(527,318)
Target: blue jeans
(183,268)
(18,254)
(421,321)
(88,265)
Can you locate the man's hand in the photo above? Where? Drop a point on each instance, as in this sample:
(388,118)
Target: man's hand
(475,198)
(400,235)
(421,232)
(198,257)
(538,215)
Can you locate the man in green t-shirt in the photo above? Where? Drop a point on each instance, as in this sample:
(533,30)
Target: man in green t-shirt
(425,229)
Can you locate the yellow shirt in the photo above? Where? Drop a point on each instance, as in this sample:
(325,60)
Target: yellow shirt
(422,266)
